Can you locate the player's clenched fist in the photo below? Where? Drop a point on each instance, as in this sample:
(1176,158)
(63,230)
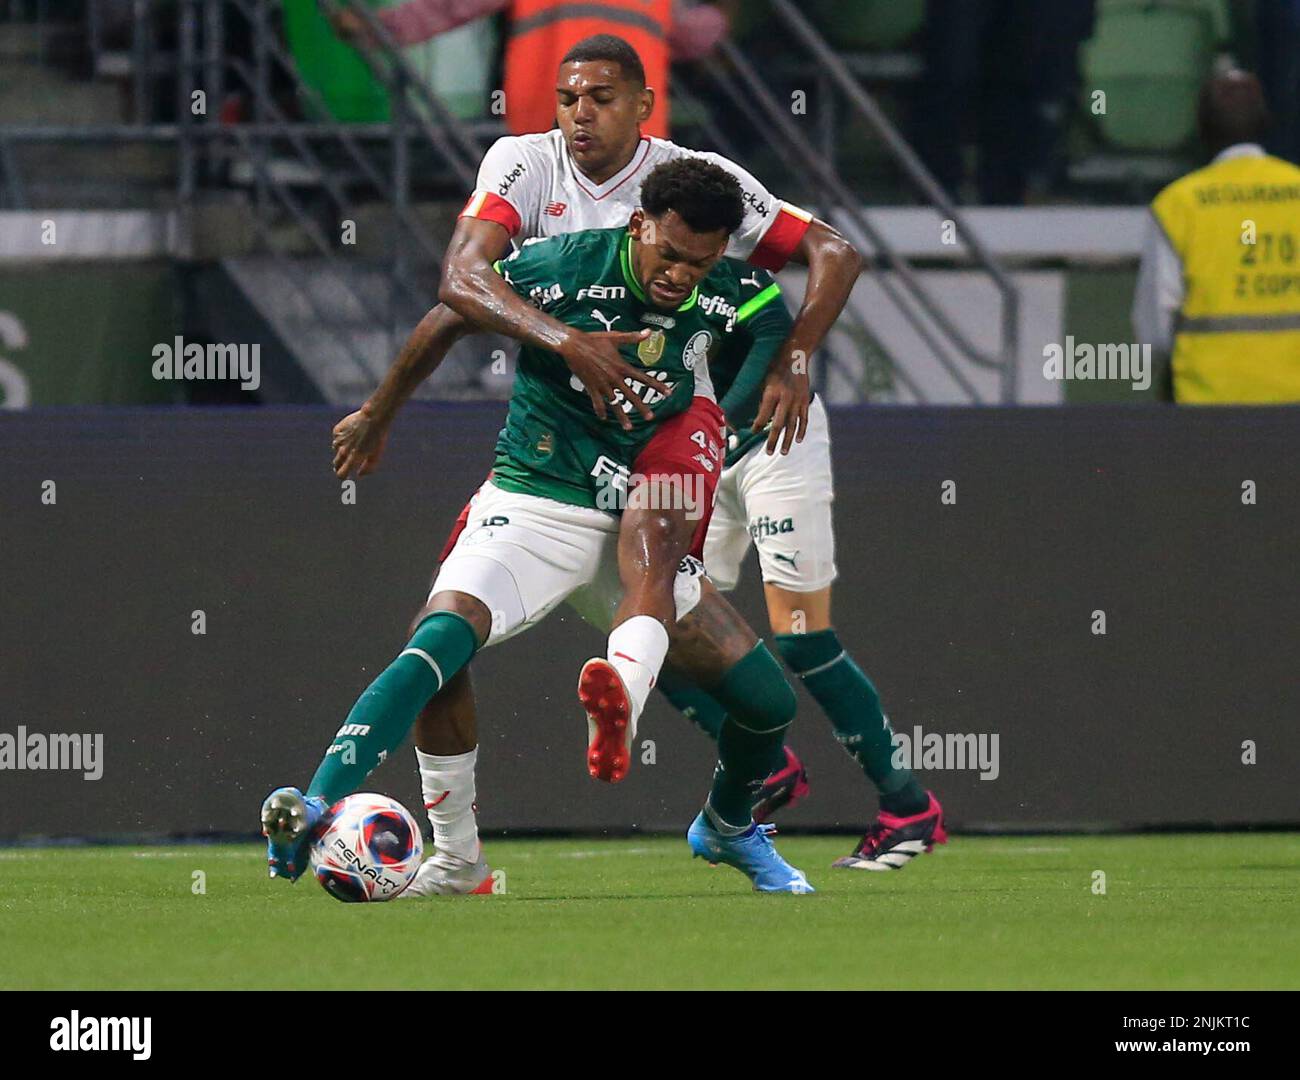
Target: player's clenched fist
(359,440)
(595,360)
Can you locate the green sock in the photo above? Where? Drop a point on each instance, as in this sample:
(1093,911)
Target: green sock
(759,706)
(697,705)
(851,702)
(384,713)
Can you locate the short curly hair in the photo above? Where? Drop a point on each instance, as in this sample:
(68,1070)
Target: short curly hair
(705,195)
(611,48)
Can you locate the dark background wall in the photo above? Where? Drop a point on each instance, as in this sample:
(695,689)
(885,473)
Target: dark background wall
(971,618)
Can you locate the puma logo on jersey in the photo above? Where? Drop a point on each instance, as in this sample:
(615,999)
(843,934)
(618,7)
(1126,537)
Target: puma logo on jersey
(786,558)
(751,281)
(608,324)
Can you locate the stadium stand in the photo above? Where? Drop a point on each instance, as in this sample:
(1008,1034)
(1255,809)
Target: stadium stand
(300,132)
(1150,59)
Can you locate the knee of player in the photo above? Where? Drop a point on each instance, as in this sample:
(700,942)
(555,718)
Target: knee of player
(659,537)
(467,607)
(757,694)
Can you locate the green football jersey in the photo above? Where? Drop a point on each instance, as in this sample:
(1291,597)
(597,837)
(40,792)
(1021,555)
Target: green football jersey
(553,444)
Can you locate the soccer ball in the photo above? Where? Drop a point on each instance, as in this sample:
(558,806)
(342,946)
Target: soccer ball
(370,850)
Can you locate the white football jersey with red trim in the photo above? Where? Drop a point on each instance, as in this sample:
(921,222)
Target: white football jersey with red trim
(530,185)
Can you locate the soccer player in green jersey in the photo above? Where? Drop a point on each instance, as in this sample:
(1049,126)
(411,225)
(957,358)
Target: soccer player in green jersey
(587,173)
(780,504)
(545,527)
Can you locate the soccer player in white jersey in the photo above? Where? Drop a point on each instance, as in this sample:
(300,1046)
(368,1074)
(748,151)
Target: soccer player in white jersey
(587,173)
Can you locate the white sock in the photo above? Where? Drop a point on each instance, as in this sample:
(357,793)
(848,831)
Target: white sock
(448,786)
(636,651)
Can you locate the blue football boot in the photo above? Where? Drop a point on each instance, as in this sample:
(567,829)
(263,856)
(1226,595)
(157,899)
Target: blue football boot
(752,853)
(289,822)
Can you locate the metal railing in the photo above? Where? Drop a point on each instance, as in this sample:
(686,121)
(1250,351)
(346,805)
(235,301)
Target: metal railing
(740,85)
(350,164)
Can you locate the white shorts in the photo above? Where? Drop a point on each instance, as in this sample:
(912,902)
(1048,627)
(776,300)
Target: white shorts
(523,555)
(781,504)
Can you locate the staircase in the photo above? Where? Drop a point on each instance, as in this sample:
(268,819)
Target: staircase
(346,354)
(91,126)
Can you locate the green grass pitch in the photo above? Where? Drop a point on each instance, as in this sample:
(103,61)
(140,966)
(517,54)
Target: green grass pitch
(1179,911)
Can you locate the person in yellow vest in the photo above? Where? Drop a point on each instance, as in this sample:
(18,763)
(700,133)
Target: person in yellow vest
(540,32)
(1219,285)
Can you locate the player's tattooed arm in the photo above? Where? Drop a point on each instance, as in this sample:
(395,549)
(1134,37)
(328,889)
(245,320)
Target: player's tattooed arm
(711,640)
(833,267)
(359,438)
(473,288)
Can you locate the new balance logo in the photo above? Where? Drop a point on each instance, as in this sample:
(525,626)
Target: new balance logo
(555,209)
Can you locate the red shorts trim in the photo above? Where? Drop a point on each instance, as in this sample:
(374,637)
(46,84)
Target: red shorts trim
(692,444)
(459,526)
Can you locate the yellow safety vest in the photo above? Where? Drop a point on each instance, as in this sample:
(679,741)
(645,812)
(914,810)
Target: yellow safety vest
(1236,227)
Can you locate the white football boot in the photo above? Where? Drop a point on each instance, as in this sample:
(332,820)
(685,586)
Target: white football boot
(449,875)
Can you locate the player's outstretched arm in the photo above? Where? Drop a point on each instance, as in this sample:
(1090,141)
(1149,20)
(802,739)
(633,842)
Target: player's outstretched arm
(833,267)
(473,288)
(359,438)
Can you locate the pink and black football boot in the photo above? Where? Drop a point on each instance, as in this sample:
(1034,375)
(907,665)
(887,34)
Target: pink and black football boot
(783,788)
(893,841)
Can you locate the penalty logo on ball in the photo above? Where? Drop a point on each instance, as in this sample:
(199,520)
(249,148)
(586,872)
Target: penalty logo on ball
(371,849)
